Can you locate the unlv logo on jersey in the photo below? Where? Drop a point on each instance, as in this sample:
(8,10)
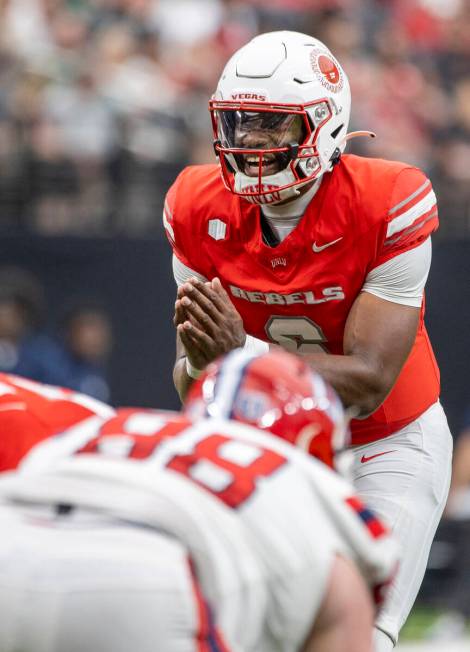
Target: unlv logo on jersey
(217,229)
(280,260)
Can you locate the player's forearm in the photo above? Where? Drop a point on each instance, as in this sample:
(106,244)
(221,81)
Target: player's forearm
(378,338)
(182,380)
(359,382)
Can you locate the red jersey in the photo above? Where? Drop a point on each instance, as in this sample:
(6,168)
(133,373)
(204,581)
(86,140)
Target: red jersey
(299,293)
(31,412)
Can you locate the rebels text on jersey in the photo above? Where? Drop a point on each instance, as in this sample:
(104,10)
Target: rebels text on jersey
(299,293)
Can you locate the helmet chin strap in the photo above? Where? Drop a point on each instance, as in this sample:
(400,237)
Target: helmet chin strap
(269,185)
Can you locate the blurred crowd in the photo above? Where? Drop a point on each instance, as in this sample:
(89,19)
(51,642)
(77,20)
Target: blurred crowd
(102,102)
(72,352)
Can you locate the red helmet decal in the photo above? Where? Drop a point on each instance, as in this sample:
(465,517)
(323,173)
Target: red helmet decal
(327,70)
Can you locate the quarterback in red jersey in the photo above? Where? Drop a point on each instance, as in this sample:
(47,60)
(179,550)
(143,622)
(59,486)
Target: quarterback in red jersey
(290,242)
(31,412)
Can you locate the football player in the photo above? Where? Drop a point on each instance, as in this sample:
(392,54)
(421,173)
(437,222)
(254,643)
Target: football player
(288,241)
(276,392)
(149,532)
(32,411)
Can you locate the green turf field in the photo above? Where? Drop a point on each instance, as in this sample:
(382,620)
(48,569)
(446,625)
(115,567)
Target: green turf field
(417,634)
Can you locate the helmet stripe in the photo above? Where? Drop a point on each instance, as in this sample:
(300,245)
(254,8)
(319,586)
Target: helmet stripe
(318,386)
(229,378)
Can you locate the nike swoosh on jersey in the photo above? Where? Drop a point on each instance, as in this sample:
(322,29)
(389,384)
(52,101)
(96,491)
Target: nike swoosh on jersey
(371,457)
(317,248)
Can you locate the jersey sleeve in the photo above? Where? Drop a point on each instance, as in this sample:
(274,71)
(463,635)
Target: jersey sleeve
(411,215)
(195,217)
(21,432)
(181,222)
(402,278)
(183,269)
(365,538)
(182,273)
(170,225)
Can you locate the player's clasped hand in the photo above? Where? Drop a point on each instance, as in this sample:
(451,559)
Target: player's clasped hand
(207,322)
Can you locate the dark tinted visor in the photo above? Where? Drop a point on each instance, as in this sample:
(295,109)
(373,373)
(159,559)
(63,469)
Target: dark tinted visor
(259,130)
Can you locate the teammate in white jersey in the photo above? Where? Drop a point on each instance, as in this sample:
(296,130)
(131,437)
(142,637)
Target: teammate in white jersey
(148,532)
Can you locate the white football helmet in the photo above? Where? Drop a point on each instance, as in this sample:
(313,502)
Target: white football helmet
(280,116)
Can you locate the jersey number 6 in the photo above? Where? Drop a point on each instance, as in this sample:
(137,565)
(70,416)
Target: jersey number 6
(296,334)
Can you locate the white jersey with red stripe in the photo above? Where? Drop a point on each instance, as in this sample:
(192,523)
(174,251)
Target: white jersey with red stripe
(262,521)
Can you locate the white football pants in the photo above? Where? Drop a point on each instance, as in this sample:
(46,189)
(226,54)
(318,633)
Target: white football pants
(405,478)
